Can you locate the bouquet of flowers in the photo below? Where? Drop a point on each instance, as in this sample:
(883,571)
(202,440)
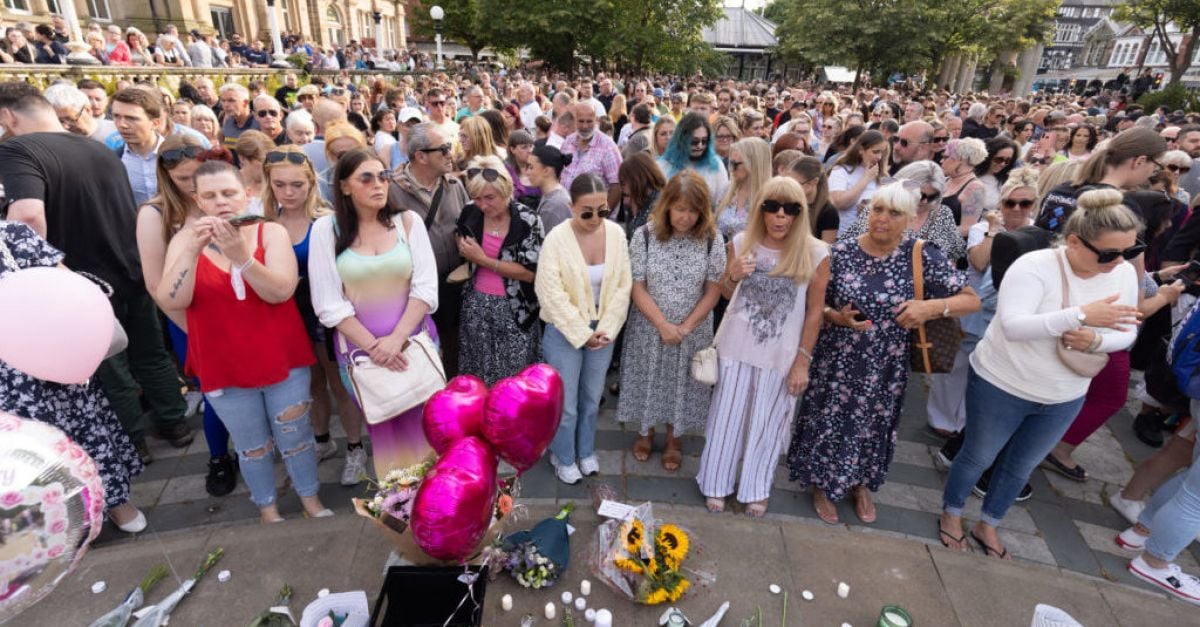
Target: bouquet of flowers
(119,616)
(392,503)
(277,615)
(159,614)
(537,557)
(644,559)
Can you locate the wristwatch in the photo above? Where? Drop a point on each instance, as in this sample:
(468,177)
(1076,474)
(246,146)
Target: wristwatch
(989,234)
(1081,317)
(945,308)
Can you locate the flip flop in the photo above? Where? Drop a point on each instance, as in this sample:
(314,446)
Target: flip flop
(757,509)
(833,518)
(714,505)
(1001,554)
(962,548)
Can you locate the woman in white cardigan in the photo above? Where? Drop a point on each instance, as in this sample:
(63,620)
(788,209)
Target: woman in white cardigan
(583,284)
(373,278)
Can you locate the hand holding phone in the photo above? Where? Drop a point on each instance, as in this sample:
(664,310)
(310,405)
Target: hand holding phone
(246,219)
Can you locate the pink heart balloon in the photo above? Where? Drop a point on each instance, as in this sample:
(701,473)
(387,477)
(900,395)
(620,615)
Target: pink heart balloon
(453,507)
(522,415)
(455,412)
(55,325)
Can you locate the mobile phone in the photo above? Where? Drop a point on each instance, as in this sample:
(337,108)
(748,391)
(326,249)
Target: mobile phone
(1191,273)
(860,316)
(246,219)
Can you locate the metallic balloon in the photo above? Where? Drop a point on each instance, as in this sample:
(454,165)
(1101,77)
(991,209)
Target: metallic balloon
(454,505)
(51,508)
(454,412)
(522,415)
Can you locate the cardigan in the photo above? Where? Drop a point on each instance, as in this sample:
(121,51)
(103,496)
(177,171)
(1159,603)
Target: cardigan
(521,245)
(565,293)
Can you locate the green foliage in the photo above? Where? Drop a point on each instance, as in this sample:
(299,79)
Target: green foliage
(463,23)
(1174,97)
(1155,15)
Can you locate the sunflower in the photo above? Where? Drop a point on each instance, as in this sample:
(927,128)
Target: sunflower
(630,565)
(677,592)
(633,534)
(658,596)
(672,544)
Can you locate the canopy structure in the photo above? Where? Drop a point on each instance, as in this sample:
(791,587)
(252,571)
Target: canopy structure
(837,74)
(746,38)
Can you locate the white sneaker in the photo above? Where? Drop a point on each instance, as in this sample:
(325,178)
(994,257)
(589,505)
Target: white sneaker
(1128,508)
(1183,586)
(1131,540)
(325,450)
(568,474)
(589,466)
(356,466)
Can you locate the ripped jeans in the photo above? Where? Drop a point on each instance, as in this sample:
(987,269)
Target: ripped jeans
(261,419)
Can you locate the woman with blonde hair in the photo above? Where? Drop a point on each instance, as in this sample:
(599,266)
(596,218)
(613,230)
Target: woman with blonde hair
(749,171)
(205,121)
(618,114)
(845,431)
(725,133)
(475,140)
(663,129)
(1176,164)
(677,260)
(775,278)
(291,198)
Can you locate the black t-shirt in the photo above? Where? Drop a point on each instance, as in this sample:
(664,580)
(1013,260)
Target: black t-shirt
(1059,203)
(286,96)
(827,220)
(90,212)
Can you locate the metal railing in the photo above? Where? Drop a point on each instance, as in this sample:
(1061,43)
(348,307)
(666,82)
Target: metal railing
(43,76)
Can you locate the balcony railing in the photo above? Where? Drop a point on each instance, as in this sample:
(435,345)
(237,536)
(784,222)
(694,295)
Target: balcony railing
(43,76)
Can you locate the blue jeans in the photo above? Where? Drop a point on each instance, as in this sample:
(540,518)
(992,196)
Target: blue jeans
(994,419)
(582,371)
(255,417)
(1173,513)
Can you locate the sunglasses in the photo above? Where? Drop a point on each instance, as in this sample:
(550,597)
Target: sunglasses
(603,213)
(940,140)
(904,143)
(1001,160)
(1109,256)
(175,155)
(277,156)
(790,208)
(383,176)
(733,165)
(435,103)
(696,143)
(929,197)
(444,149)
(1024,204)
(262,113)
(488,174)
(337,91)
(1180,169)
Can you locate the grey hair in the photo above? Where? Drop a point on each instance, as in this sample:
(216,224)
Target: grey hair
(241,90)
(925,173)
(204,111)
(298,117)
(65,96)
(419,138)
(566,118)
(265,98)
(977,111)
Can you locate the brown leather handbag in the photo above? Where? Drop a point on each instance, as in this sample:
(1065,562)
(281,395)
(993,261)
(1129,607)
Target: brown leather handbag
(934,344)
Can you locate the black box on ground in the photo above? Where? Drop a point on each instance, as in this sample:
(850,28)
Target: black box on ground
(425,596)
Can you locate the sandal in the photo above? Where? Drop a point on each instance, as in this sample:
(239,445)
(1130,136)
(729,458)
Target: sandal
(1075,474)
(957,540)
(672,457)
(643,446)
(757,509)
(714,505)
(830,516)
(863,507)
(990,551)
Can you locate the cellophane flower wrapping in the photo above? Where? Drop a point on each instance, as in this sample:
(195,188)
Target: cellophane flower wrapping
(537,557)
(649,561)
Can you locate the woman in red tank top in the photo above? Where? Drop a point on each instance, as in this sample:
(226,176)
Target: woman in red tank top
(246,341)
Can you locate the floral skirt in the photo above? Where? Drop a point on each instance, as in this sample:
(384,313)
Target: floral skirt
(492,345)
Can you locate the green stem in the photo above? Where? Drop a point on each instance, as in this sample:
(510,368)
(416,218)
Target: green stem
(209,561)
(783,623)
(156,574)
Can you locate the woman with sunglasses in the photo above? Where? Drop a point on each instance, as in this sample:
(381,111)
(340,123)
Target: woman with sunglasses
(1019,390)
(946,407)
(1002,155)
(677,260)
(808,172)
(1081,142)
(967,200)
(1176,164)
(252,148)
(583,284)
(845,432)
(856,175)
(692,148)
(501,239)
(291,195)
(831,127)
(775,281)
(749,171)
(246,341)
(374,280)
(159,220)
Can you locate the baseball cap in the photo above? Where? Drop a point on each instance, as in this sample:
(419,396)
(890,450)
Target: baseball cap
(658,92)
(409,113)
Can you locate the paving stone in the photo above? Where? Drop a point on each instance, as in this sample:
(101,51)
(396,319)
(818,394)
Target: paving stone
(668,489)
(915,453)
(1137,608)
(924,476)
(689,466)
(1102,539)
(1103,458)
(145,494)
(1088,491)
(611,463)
(1025,546)
(1069,548)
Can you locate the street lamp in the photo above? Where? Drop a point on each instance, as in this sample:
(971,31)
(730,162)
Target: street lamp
(437,14)
(279,57)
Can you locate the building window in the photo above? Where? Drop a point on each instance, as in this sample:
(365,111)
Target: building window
(99,9)
(222,20)
(1068,33)
(52,6)
(333,25)
(21,6)
(285,15)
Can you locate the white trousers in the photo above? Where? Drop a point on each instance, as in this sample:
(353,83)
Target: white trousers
(748,421)
(947,404)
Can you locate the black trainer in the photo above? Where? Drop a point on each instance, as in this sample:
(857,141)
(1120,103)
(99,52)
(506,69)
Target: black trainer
(222,476)
(143,451)
(1148,427)
(945,455)
(981,487)
(179,434)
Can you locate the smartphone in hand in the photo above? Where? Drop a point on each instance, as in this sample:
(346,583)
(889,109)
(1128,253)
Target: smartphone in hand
(246,219)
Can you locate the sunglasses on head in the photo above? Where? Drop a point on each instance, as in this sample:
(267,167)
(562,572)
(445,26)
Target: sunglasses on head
(1009,203)
(1180,169)
(790,208)
(175,155)
(383,176)
(444,149)
(296,158)
(589,214)
(262,113)
(490,175)
(1109,256)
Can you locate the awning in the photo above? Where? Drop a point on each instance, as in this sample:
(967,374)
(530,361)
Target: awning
(837,74)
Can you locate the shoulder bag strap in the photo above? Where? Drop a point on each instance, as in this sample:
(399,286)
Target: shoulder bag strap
(918,264)
(1066,287)
(435,203)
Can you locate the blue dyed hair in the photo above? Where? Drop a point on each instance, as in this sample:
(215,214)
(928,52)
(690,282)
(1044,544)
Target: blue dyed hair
(678,153)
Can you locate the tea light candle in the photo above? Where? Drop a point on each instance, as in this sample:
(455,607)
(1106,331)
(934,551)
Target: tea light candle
(603,618)
(551,611)
(843,590)
(580,603)
(590,615)
(585,587)
(566,597)
(506,603)
(894,616)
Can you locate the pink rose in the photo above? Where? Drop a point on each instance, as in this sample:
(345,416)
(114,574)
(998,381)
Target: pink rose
(52,495)
(11,499)
(9,422)
(58,526)
(56,551)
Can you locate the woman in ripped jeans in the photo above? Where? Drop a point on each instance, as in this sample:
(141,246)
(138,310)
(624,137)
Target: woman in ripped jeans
(246,341)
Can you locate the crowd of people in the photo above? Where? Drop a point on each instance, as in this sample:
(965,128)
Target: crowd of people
(596,223)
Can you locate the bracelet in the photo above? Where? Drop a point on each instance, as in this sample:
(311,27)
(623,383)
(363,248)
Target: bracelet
(242,268)
(804,352)
(1095,343)
(496,267)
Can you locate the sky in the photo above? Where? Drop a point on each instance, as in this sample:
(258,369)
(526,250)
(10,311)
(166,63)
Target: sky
(753,5)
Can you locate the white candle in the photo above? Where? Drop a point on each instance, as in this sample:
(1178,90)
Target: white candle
(603,618)
(566,597)
(551,611)
(580,603)
(843,590)
(506,603)
(590,615)
(585,587)
(895,619)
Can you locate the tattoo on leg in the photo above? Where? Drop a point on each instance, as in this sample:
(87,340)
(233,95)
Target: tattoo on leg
(178,282)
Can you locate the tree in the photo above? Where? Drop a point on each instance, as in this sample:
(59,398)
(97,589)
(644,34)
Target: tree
(1157,16)
(462,23)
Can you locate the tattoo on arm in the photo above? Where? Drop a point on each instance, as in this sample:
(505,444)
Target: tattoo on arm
(178,282)
(972,205)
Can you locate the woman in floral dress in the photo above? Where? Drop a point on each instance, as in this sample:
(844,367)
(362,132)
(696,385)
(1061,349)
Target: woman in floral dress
(81,411)
(845,433)
(677,260)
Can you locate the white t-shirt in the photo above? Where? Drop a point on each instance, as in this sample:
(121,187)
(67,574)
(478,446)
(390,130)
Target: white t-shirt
(1019,353)
(842,179)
